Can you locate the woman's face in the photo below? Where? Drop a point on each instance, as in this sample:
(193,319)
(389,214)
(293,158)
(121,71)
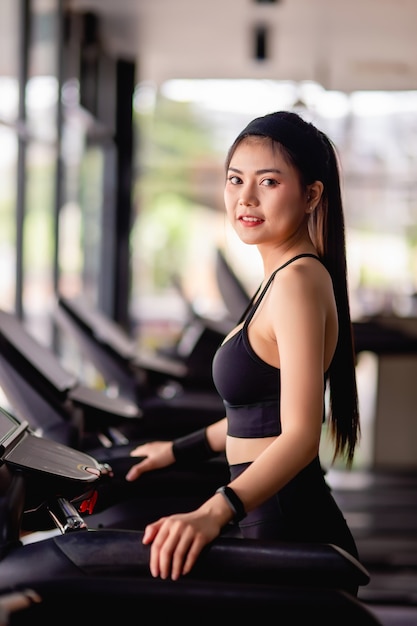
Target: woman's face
(264,200)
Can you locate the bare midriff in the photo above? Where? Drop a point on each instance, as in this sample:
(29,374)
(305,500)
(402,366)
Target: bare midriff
(239,450)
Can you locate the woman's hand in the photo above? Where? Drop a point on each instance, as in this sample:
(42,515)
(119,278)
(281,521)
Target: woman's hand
(178,540)
(158,454)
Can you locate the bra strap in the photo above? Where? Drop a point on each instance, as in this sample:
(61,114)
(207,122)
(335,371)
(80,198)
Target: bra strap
(252,306)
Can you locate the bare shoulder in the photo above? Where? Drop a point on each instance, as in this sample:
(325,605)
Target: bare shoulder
(305,275)
(302,291)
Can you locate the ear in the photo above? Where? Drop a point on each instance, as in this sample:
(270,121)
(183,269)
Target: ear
(314,193)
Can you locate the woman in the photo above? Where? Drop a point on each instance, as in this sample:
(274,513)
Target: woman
(282,194)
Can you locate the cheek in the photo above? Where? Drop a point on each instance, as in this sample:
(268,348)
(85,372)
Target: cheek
(228,199)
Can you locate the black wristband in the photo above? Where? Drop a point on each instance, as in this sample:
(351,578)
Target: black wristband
(192,448)
(233,501)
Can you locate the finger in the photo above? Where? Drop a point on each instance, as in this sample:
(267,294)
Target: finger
(192,555)
(136,470)
(170,548)
(161,550)
(151,531)
(184,555)
(138,451)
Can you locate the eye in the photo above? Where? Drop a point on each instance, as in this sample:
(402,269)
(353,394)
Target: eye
(234,180)
(269,182)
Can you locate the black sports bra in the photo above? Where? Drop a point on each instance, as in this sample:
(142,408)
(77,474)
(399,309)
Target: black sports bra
(250,388)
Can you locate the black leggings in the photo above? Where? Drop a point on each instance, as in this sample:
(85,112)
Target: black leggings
(303,511)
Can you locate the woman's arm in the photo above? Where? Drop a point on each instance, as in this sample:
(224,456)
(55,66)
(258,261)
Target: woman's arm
(299,333)
(216,435)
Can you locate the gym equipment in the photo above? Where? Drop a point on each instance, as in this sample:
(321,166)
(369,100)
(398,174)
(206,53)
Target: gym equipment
(39,388)
(95,574)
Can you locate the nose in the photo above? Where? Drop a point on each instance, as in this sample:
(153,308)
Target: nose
(247,196)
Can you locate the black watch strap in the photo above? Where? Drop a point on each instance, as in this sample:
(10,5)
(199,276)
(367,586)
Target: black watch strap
(233,501)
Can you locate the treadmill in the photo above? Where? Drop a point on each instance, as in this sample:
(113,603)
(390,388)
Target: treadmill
(39,387)
(82,574)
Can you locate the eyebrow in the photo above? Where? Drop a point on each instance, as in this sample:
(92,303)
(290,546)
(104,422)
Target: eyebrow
(268,170)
